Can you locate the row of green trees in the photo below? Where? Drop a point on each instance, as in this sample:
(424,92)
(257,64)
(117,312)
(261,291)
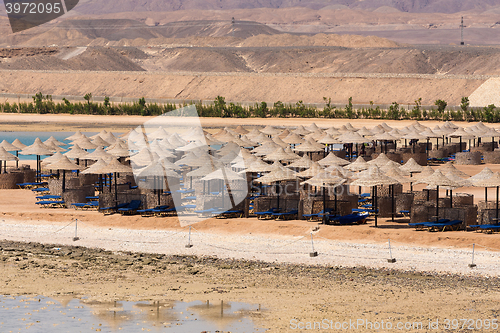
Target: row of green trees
(219,108)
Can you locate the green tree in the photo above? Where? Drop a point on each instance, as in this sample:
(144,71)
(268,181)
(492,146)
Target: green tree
(348,109)
(441,105)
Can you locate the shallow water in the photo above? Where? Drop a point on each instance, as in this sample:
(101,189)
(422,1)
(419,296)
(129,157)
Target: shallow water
(64,314)
(28,138)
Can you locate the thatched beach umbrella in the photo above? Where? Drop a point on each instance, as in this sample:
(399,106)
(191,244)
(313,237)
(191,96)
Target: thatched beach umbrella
(277,176)
(76,153)
(6,156)
(493,181)
(303,163)
(326,179)
(38,149)
(115,167)
(333,159)
(435,180)
(13,147)
(64,164)
(462,134)
(484,174)
(300,130)
(99,142)
(358,165)
(411,166)
(373,178)
(76,136)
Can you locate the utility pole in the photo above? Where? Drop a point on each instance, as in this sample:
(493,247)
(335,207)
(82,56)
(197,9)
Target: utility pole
(462,32)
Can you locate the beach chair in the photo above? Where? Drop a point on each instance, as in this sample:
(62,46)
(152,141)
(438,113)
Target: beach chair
(490,228)
(41,190)
(86,205)
(266,215)
(168,212)
(453,225)
(355,218)
(228,214)
(318,215)
(405,213)
(112,209)
(48,197)
(51,203)
(131,208)
(424,225)
(151,211)
(286,215)
(208,212)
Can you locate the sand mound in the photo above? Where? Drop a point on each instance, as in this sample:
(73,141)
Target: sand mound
(486,94)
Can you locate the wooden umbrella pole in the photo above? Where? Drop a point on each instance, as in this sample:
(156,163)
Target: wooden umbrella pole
(437,203)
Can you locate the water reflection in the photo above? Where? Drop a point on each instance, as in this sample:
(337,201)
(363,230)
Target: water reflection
(64,314)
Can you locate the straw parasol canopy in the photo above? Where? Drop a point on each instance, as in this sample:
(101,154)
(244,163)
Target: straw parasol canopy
(76,136)
(328,140)
(373,178)
(286,132)
(358,165)
(37,148)
(352,137)
(115,166)
(309,146)
(51,159)
(54,141)
(460,181)
(313,170)
(76,152)
(411,166)
(278,155)
(8,146)
(277,175)
(6,156)
(99,142)
(119,151)
(325,179)
(437,179)
(293,138)
(332,159)
(258,166)
(94,168)
(280,142)
(334,132)
(85,143)
(300,130)
(380,161)
(303,163)
(461,133)
(448,167)
(270,130)
(63,164)
(365,132)
(240,130)
(484,174)
(98,153)
(17,143)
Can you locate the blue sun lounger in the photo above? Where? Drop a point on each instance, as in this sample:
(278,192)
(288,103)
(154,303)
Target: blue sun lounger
(318,215)
(132,207)
(286,215)
(266,214)
(152,211)
(349,219)
(452,225)
(228,214)
(422,225)
(113,209)
(48,197)
(485,227)
(51,203)
(86,205)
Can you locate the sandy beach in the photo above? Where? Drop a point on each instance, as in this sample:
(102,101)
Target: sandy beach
(249,260)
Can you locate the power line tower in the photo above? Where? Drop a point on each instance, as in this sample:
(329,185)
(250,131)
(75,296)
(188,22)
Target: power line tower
(462,32)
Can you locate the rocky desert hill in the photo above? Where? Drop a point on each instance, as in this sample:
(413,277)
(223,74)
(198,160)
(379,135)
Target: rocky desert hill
(374,50)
